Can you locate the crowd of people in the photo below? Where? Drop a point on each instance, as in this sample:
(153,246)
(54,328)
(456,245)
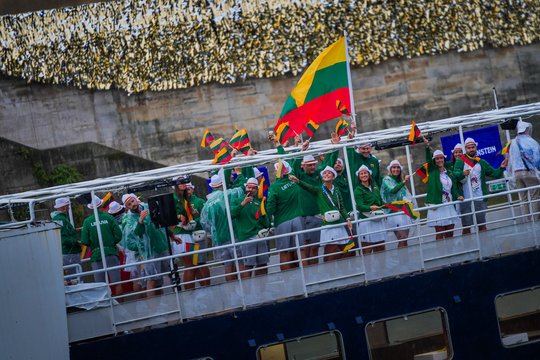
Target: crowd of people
(310,196)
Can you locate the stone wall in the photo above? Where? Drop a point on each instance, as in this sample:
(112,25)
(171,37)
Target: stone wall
(166,127)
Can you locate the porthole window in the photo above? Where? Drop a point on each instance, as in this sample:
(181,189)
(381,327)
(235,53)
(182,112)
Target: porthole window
(326,346)
(418,336)
(518,314)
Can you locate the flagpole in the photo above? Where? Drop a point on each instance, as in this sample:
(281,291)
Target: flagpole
(353,111)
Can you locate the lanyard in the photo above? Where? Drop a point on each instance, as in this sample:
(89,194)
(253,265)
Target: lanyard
(330,198)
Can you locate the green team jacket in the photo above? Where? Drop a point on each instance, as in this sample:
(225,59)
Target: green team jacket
(68,234)
(248,219)
(340,181)
(356,160)
(324,203)
(486,169)
(283,200)
(434,186)
(365,197)
(308,201)
(110,233)
(197,203)
(145,239)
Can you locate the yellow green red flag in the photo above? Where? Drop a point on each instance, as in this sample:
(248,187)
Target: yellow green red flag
(323,83)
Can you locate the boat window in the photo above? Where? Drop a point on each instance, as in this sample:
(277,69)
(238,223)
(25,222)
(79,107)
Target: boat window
(418,336)
(326,346)
(519,316)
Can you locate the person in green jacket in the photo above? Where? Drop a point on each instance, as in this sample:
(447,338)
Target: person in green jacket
(141,235)
(215,221)
(188,211)
(110,235)
(371,228)
(71,246)
(441,188)
(330,204)
(476,169)
(282,206)
(250,220)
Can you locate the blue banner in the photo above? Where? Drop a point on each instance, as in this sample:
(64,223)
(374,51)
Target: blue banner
(489,144)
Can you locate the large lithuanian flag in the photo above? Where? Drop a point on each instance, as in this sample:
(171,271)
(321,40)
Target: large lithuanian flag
(323,84)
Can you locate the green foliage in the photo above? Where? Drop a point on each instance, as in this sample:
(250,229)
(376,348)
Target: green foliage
(24,152)
(40,174)
(64,174)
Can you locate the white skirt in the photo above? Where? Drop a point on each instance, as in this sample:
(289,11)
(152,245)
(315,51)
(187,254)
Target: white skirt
(335,235)
(371,231)
(442,216)
(395,222)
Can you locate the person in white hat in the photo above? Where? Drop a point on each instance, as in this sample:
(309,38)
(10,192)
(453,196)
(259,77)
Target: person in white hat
(283,197)
(330,204)
(441,189)
(214,221)
(362,156)
(394,188)
(117,210)
(71,246)
(188,211)
(147,241)
(523,167)
(249,218)
(371,230)
(472,171)
(111,235)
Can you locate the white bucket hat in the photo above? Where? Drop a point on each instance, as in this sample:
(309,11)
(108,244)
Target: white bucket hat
(286,166)
(363,167)
(125,197)
(252,181)
(328,168)
(392,163)
(96,202)
(309,159)
(437,153)
(257,172)
(470,140)
(215,181)
(115,207)
(61,202)
(340,160)
(458,146)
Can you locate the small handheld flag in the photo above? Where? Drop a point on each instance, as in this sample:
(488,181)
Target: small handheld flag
(311,127)
(414,133)
(106,201)
(505,149)
(262,187)
(342,108)
(283,132)
(217,145)
(240,141)
(262,210)
(192,259)
(405,206)
(187,208)
(279,170)
(341,127)
(422,171)
(207,138)
(223,156)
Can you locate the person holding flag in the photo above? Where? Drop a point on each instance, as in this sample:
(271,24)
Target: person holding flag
(330,204)
(441,188)
(394,189)
(188,211)
(362,156)
(283,200)
(471,171)
(250,223)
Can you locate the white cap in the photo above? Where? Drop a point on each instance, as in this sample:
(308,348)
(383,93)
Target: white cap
(470,140)
(252,181)
(61,202)
(522,126)
(458,146)
(437,153)
(285,165)
(96,202)
(215,181)
(363,167)
(257,172)
(309,159)
(392,163)
(328,168)
(114,207)
(125,197)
